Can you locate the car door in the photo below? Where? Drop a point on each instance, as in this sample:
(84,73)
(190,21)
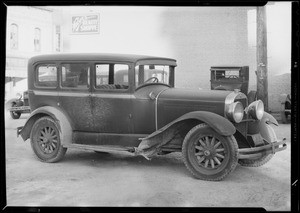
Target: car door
(75,94)
(111,100)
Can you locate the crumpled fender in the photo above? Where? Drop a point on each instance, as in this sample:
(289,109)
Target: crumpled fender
(220,124)
(262,126)
(267,118)
(64,126)
(265,129)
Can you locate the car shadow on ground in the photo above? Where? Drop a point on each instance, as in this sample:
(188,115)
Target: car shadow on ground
(120,159)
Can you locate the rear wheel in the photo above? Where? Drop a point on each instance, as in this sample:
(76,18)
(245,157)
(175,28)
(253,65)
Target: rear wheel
(14,115)
(45,140)
(209,155)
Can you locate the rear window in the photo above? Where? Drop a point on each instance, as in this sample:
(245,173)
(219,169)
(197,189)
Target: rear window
(46,76)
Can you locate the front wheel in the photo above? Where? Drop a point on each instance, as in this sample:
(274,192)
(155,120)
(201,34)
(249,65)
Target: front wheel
(45,140)
(209,155)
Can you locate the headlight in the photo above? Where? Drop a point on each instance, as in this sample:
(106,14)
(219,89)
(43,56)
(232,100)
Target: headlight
(235,112)
(18,96)
(256,109)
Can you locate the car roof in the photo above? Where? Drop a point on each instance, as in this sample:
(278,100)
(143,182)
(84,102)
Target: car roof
(95,56)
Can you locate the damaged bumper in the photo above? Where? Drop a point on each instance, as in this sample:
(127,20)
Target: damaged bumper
(256,152)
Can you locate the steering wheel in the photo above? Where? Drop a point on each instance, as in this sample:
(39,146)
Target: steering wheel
(154,80)
(233,76)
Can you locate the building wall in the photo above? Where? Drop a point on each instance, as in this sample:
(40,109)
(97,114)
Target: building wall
(198,37)
(205,37)
(27,19)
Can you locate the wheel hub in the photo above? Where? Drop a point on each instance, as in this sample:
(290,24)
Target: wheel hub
(206,152)
(209,152)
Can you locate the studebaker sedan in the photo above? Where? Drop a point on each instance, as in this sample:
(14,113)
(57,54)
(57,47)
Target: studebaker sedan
(121,102)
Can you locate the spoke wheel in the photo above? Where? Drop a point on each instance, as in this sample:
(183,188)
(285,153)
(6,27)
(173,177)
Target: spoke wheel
(45,140)
(208,155)
(210,152)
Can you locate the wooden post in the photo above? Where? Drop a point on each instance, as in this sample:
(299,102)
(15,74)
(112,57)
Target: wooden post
(261,56)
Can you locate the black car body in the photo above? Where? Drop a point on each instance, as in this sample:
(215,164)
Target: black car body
(128,103)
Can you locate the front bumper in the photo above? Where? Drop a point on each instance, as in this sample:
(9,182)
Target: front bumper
(256,152)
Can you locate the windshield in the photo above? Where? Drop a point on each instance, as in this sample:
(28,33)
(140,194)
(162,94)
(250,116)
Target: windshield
(226,74)
(145,74)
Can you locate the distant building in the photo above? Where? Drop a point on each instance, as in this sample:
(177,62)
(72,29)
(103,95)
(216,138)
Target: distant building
(198,37)
(30,31)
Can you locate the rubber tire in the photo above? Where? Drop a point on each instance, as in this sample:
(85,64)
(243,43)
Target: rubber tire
(14,115)
(200,131)
(256,162)
(59,151)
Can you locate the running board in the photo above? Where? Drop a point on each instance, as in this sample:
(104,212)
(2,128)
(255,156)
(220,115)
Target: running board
(100,147)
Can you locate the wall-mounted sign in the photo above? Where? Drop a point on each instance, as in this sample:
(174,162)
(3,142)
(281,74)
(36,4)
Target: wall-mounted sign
(85,24)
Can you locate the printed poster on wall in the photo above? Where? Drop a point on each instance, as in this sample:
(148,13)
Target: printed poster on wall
(85,24)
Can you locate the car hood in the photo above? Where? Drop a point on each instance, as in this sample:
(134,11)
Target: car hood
(175,102)
(194,95)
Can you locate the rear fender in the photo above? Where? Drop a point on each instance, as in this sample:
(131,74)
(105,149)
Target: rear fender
(157,139)
(63,123)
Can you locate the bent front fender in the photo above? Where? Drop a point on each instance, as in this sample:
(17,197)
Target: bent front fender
(259,126)
(220,124)
(63,123)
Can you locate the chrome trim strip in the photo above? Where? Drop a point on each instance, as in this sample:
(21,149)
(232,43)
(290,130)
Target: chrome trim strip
(73,94)
(156,103)
(112,95)
(83,94)
(49,93)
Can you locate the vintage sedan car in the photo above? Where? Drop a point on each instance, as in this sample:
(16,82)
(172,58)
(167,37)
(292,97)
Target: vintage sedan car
(118,102)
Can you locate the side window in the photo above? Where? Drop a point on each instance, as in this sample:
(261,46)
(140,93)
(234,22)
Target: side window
(102,73)
(37,40)
(75,76)
(46,76)
(112,76)
(14,36)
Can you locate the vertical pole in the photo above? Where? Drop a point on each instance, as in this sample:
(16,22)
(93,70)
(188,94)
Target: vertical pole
(261,56)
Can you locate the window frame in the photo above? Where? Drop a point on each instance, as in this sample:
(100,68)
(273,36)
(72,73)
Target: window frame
(17,36)
(61,63)
(170,79)
(39,39)
(36,75)
(94,76)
